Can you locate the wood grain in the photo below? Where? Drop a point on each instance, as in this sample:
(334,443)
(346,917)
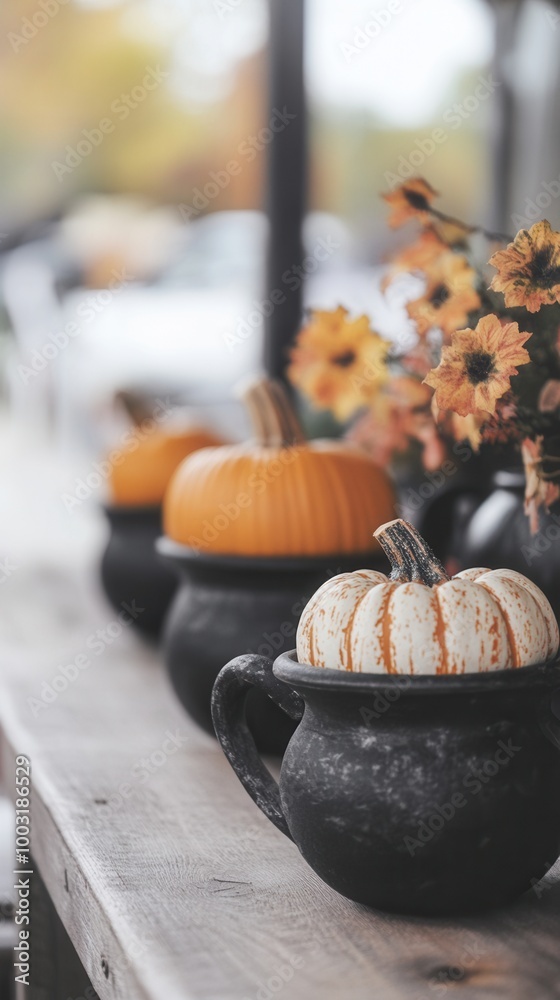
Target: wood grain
(171,884)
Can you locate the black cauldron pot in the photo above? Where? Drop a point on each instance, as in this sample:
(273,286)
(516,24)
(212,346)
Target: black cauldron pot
(423,795)
(130,569)
(498,535)
(228,604)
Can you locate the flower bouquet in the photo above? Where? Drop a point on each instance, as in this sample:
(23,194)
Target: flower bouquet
(483,364)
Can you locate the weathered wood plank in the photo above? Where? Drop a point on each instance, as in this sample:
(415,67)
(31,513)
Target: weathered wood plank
(182,889)
(172,885)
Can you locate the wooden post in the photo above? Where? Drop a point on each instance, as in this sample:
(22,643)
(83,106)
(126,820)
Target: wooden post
(505,134)
(286,177)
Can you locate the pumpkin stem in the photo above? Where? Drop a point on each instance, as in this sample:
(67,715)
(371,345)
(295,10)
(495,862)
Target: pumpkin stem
(272,414)
(410,557)
(136,407)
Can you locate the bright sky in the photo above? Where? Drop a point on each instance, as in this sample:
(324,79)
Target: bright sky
(402,73)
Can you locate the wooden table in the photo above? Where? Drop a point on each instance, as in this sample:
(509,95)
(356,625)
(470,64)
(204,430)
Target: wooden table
(169,882)
(172,885)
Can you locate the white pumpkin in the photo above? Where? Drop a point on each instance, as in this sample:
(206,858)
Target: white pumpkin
(419,621)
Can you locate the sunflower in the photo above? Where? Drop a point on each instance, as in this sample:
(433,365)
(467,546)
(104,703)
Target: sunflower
(410,200)
(339,363)
(449,297)
(476,369)
(529,268)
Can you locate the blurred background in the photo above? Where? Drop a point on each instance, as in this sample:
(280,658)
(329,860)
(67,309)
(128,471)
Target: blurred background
(147,213)
(135,182)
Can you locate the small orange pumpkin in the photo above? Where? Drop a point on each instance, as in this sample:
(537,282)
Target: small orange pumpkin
(141,468)
(279,495)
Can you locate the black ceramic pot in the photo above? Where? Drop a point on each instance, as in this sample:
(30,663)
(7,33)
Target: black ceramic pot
(440,503)
(229,604)
(130,569)
(498,535)
(423,795)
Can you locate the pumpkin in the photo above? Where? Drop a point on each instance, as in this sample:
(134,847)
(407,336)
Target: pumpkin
(279,495)
(140,471)
(419,621)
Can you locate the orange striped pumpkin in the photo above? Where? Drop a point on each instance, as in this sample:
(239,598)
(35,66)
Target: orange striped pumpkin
(278,495)
(418,621)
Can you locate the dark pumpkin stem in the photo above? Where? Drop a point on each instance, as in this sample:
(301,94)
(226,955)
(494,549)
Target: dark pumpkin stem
(272,414)
(136,407)
(410,557)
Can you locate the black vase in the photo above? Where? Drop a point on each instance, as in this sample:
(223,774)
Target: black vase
(422,795)
(439,503)
(498,535)
(131,571)
(226,605)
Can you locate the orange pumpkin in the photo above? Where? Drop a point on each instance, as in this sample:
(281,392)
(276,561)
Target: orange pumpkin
(279,495)
(142,468)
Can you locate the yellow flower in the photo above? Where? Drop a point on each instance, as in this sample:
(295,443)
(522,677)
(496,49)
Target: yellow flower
(476,369)
(529,268)
(410,200)
(338,363)
(449,297)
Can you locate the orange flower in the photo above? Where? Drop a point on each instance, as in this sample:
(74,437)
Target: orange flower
(410,200)
(476,369)
(539,492)
(396,415)
(460,428)
(449,297)
(529,268)
(339,363)
(419,256)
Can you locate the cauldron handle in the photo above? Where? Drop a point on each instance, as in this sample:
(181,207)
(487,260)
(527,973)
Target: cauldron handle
(228,715)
